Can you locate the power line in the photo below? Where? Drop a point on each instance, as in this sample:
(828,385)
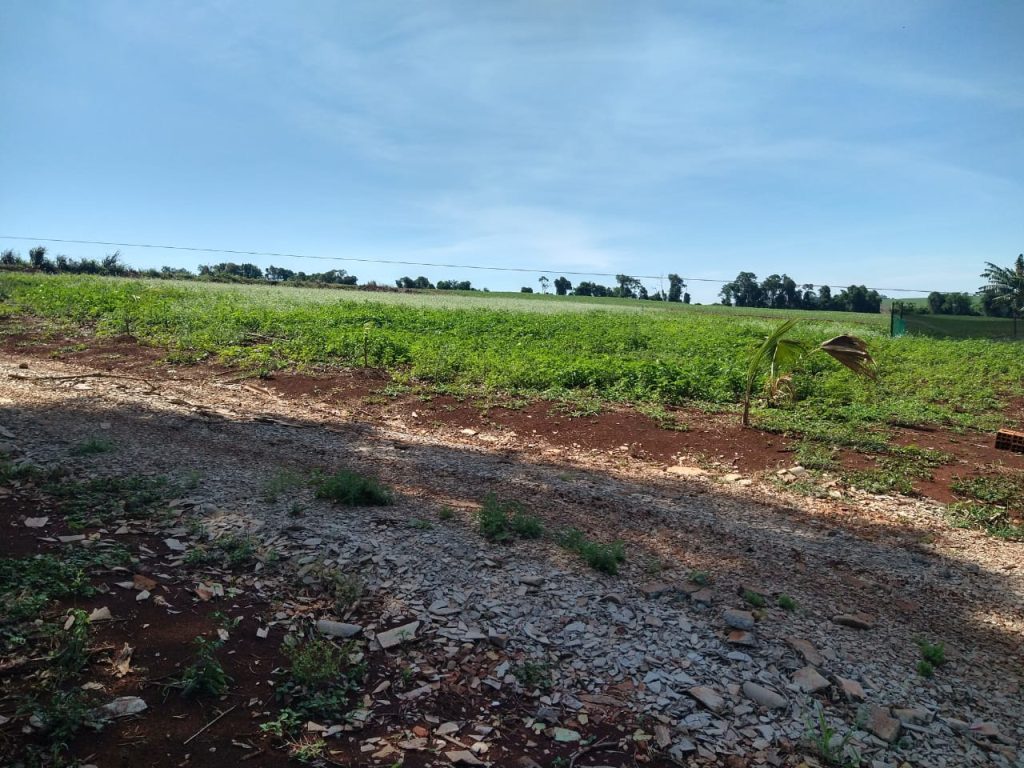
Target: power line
(400,263)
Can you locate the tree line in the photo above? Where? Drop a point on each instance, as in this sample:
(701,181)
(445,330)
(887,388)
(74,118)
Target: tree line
(111,265)
(627,288)
(782,292)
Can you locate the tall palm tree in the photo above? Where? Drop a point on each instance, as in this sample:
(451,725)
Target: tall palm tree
(1006,284)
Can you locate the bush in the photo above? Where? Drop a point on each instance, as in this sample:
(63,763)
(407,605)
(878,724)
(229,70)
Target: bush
(205,676)
(354,490)
(601,557)
(502,520)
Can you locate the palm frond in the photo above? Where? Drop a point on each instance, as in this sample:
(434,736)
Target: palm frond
(852,352)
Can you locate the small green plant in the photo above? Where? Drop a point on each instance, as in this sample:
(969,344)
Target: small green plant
(787,603)
(700,577)
(235,550)
(601,557)
(93,446)
(420,524)
(71,644)
(782,354)
(224,621)
(503,520)
(307,750)
(282,481)
(933,654)
(527,526)
(320,678)
(925,668)
(286,722)
(353,490)
(821,737)
(205,676)
(62,713)
(533,675)
(295,510)
(445,513)
(346,589)
(754,599)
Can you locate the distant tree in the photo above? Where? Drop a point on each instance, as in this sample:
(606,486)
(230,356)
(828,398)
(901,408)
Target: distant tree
(936,301)
(278,274)
(37,257)
(686,298)
(629,287)
(1006,285)
(744,291)
(808,299)
(112,264)
(454,285)
(562,286)
(675,287)
(526,289)
(9,257)
(992,307)
(825,300)
(543,280)
(857,298)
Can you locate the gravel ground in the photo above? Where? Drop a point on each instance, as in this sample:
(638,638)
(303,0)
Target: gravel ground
(871,576)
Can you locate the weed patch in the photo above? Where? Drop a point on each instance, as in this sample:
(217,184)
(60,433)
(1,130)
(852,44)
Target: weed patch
(320,679)
(354,490)
(205,676)
(501,521)
(93,446)
(601,557)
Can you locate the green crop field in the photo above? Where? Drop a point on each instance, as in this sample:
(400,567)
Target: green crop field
(546,346)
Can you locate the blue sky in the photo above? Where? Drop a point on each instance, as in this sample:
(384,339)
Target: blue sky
(875,142)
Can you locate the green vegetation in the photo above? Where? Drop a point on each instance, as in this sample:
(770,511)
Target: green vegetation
(232,551)
(281,482)
(320,679)
(205,676)
(933,653)
(786,603)
(754,599)
(99,500)
(615,349)
(92,446)
(700,577)
(445,513)
(533,675)
(601,557)
(353,490)
(504,520)
(71,644)
(988,503)
(824,740)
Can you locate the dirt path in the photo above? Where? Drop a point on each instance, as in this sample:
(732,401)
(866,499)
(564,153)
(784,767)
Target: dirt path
(648,639)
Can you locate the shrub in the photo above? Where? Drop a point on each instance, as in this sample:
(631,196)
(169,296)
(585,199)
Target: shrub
(205,676)
(601,557)
(502,520)
(354,490)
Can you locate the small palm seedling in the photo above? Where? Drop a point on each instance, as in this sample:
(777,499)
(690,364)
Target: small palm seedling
(782,354)
(826,742)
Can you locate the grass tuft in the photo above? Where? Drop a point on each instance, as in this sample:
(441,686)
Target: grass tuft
(354,490)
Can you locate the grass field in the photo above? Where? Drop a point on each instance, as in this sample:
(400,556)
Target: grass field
(616,350)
